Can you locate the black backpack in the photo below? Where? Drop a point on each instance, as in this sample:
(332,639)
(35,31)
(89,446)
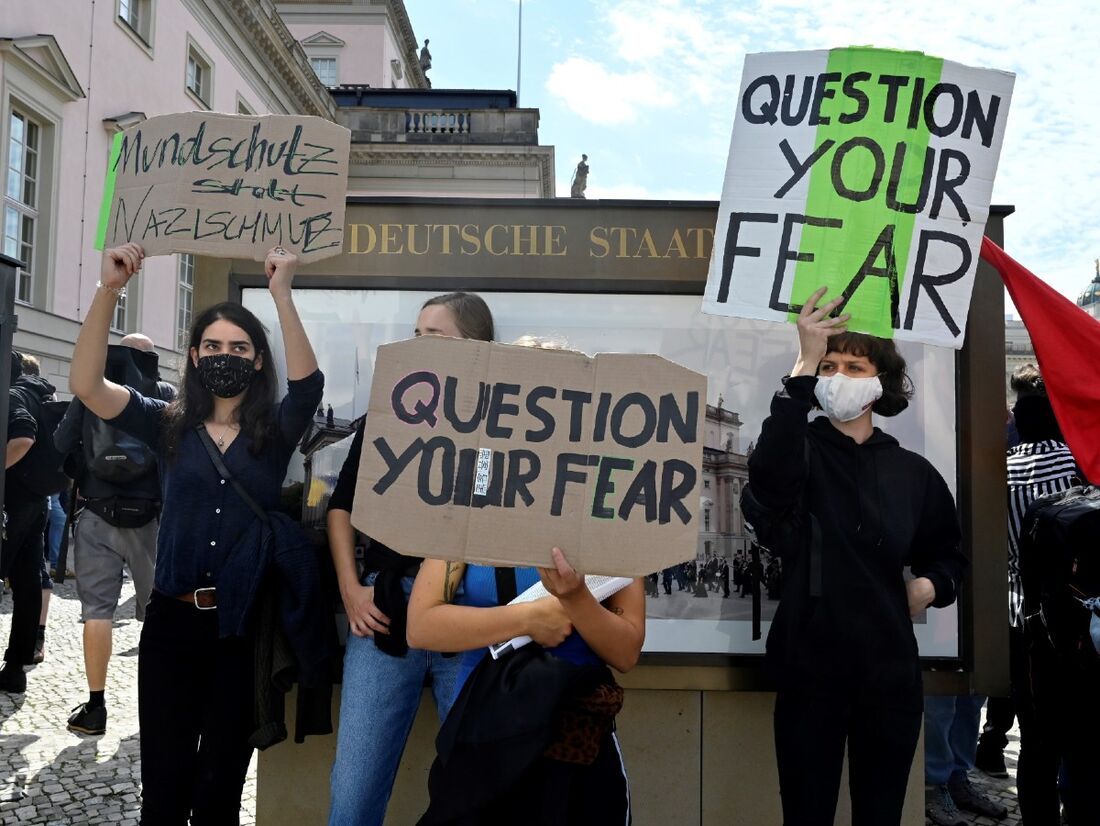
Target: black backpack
(112,455)
(40,472)
(1059,569)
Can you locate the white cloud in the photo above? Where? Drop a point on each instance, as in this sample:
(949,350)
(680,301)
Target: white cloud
(603,96)
(682,58)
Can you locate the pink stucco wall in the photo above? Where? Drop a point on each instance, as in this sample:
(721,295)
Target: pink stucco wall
(358,60)
(118,76)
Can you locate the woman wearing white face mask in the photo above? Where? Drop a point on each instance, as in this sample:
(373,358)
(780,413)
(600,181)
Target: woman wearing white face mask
(847,508)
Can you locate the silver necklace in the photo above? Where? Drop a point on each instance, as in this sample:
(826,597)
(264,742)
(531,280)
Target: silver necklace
(225,432)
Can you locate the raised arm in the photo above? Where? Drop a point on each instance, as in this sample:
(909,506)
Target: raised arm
(436,624)
(778,467)
(86,380)
(280,267)
(615,631)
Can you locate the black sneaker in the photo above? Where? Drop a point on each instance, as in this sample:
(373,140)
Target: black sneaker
(992,763)
(971,799)
(87,720)
(13,679)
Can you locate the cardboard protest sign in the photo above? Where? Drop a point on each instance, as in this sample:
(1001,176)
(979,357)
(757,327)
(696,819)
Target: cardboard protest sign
(865,170)
(493,453)
(228,186)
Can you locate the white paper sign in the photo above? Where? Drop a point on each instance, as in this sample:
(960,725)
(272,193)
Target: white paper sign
(868,171)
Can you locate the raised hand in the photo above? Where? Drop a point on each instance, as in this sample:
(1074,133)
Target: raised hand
(562,580)
(815,325)
(280,267)
(120,264)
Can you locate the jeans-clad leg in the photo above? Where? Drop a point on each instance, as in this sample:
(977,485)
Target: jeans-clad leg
(378,703)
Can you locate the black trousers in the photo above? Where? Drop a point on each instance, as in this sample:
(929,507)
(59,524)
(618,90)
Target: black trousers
(1059,726)
(195,700)
(22,563)
(810,735)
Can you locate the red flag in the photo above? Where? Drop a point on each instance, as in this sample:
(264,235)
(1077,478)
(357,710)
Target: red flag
(1067,345)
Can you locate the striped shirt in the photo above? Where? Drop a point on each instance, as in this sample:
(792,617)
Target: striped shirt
(1034,469)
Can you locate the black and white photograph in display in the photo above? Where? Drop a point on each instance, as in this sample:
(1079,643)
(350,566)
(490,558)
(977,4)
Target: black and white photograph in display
(703,605)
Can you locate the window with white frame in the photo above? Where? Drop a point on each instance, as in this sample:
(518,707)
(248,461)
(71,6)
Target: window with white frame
(21,198)
(118,320)
(200,75)
(325,69)
(185,295)
(138,16)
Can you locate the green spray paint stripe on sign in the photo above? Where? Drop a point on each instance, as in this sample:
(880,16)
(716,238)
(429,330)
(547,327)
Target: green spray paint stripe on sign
(108,192)
(592,505)
(839,253)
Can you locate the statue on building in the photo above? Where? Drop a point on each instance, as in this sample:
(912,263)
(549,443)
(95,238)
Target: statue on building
(425,57)
(580,179)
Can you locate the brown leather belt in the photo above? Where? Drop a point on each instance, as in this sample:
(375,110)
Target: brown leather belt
(202,598)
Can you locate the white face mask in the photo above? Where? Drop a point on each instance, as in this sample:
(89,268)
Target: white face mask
(844,398)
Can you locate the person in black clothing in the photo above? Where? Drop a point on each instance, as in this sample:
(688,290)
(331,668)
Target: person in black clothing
(25,543)
(841,647)
(196,685)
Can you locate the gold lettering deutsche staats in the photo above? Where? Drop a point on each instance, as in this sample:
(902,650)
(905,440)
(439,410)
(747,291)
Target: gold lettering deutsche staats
(525,240)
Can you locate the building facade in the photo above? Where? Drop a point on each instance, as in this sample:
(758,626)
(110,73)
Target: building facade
(73,74)
(725,472)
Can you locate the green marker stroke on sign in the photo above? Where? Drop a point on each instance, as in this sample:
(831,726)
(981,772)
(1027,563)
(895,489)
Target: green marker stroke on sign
(108,192)
(893,133)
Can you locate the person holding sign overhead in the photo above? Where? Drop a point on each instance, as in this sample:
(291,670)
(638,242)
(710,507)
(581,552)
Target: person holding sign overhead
(846,508)
(223,447)
(383,676)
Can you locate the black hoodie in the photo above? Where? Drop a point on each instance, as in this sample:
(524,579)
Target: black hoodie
(25,398)
(880,507)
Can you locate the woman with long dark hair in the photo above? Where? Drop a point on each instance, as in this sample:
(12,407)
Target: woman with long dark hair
(383,676)
(195,685)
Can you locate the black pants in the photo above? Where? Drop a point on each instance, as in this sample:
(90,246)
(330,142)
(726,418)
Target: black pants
(810,734)
(22,562)
(195,703)
(1059,725)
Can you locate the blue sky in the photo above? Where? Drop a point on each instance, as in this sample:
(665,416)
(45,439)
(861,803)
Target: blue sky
(647,88)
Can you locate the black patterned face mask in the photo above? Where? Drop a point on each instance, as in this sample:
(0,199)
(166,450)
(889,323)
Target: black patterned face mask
(225,375)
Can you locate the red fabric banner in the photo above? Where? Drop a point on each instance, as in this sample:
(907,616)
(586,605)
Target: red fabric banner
(1067,345)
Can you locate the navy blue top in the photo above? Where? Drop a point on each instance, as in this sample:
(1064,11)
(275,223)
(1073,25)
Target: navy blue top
(202,515)
(480,585)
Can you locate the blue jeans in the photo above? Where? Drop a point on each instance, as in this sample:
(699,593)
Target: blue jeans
(55,528)
(378,703)
(950,737)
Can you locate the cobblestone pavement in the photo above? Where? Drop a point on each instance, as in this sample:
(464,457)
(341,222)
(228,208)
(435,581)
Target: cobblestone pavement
(48,775)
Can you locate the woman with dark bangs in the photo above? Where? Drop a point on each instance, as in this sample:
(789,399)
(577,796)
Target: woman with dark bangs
(847,508)
(196,691)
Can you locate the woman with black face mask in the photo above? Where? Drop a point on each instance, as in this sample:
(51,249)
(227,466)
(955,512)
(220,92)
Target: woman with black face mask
(195,685)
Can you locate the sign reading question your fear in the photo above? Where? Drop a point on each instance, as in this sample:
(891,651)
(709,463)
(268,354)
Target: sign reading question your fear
(494,453)
(868,171)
